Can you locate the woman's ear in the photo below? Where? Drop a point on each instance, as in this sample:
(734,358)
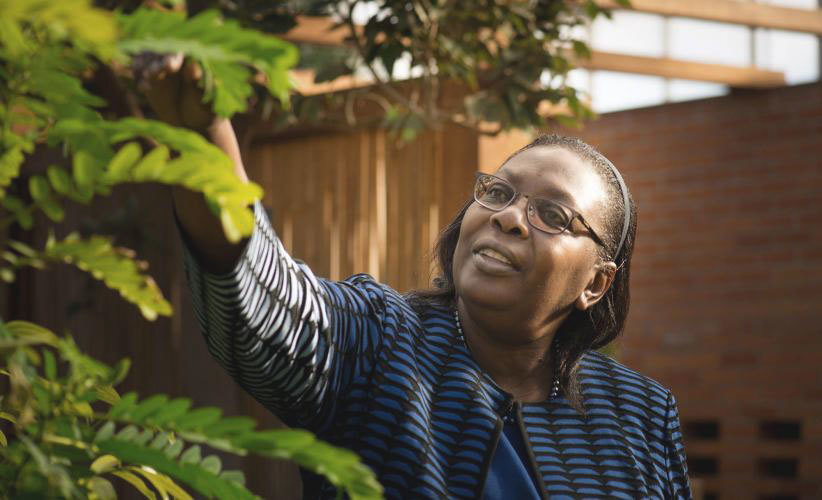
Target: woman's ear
(597,287)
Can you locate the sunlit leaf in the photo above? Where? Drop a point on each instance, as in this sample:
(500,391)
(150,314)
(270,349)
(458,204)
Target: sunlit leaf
(114,266)
(136,482)
(223,48)
(105,463)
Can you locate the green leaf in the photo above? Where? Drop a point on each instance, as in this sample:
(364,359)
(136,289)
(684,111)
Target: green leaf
(105,432)
(85,168)
(231,426)
(22,213)
(32,333)
(151,166)
(120,371)
(52,209)
(199,418)
(160,441)
(171,411)
(191,455)
(135,481)
(200,167)
(162,483)
(60,180)
(77,20)
(143,437)
(39,188)
(234,475)
(49,365)
(119,168)
(128,433)
(212,464)
(148,407)
(223,49)
(174,448)
(124,406)
(115,267)
(3,441)
(288,440)
(100,489)
(581,49)
(199,479)
(108,394)
(104,464)
(10,162)
(7,275)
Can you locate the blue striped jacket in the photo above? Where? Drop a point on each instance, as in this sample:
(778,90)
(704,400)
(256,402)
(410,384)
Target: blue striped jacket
(353,362)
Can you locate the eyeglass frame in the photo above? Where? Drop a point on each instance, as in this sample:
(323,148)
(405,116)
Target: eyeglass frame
(517,193)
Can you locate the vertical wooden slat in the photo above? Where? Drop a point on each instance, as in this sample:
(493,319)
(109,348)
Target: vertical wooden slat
(434,207)
(379,200)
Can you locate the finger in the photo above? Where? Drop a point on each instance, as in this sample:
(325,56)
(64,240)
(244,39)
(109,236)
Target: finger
(150,68)
(173,62)
(192,71)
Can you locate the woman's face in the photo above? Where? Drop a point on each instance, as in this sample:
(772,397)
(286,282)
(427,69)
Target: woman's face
(504,264)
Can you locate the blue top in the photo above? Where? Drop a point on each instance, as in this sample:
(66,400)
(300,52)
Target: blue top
(511,474)
(354,362)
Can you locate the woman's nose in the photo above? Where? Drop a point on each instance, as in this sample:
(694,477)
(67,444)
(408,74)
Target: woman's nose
(513,219)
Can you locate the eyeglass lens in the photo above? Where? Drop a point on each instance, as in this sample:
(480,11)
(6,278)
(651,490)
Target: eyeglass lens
(546,215)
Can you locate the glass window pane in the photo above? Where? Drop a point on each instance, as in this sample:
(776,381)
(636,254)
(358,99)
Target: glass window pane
(616,91)
(709,42)
(688,90)
(796,54)
(646,34)
(799,4)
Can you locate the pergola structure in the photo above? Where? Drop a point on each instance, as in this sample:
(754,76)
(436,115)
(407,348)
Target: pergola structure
(321,31)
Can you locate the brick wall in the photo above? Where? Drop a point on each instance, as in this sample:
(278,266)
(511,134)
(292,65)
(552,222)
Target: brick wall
(727,279)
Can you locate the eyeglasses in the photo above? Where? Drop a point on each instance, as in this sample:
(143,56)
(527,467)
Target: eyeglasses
(546,215)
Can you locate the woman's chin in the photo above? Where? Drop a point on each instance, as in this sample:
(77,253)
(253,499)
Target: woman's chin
(488,290)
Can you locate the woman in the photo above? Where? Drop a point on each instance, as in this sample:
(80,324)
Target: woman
(484,387)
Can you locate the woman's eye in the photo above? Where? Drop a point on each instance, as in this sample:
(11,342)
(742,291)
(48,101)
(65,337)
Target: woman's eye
(553,216)
(497,193)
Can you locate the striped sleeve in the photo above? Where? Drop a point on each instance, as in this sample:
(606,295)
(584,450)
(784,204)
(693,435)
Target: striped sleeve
(291,340)
(677,466)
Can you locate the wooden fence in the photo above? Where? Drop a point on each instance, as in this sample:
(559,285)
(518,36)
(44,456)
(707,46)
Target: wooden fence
(359,202)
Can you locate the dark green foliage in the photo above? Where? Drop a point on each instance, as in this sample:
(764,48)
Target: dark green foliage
(508,60)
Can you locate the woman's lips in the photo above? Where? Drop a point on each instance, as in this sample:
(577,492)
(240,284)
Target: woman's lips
(493,262)
(493,254)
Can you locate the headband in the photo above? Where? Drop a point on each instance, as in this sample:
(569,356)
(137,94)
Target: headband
(625,203)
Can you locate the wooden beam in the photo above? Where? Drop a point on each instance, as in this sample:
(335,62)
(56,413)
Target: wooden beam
(305,84)
(320,30)
(729,11)
(734,76)
(317,31)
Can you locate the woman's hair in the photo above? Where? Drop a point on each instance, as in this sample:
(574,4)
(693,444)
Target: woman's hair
(582,330)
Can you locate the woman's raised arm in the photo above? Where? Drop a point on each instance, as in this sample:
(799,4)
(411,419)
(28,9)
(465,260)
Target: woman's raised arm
(171,88)
(292,340)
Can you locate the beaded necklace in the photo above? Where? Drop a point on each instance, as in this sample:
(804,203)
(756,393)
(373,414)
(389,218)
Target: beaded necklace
(554,384)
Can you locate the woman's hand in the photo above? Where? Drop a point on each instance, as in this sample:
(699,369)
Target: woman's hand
(170,83)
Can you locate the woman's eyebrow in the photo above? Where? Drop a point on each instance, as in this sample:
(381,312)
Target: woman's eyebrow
(549,191)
